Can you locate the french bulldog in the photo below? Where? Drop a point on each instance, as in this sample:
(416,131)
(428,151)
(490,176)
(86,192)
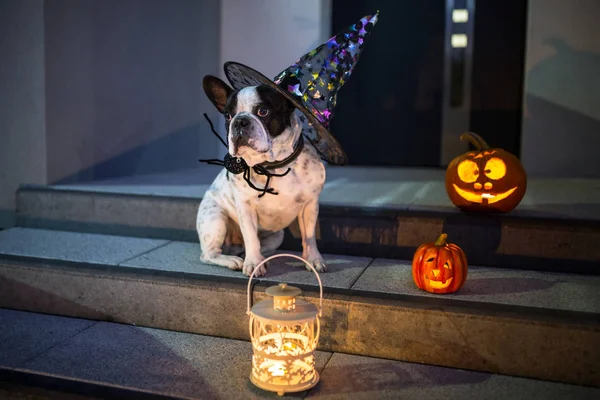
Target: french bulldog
(233,221)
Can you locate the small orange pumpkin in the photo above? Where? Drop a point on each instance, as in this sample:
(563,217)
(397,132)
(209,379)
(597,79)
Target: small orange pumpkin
(485,180)
(439,267)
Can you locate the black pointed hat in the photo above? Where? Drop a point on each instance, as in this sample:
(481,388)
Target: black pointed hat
(312,83)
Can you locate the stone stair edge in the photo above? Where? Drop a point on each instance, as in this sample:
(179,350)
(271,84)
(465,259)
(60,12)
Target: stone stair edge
(342,210)
(30,187)
(353,324)
(581,319)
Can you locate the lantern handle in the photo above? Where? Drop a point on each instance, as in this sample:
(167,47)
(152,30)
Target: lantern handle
(292,256)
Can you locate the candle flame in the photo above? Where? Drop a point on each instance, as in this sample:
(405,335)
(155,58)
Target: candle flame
(277,370)
(289,346)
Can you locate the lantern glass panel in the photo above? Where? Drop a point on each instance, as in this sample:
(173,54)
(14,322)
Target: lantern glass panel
(284,332)
(284,353)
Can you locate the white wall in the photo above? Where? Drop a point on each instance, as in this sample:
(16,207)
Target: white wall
(270,35)
(124,86)
(124,92)
(561,123)
(22,133)
(92,86)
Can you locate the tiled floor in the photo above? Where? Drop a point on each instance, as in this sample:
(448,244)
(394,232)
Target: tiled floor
(342,271)
(544,290)
(73,246)
(194,366)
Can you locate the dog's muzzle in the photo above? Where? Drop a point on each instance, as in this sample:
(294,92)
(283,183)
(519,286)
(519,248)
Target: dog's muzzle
(241,130)
(241,125)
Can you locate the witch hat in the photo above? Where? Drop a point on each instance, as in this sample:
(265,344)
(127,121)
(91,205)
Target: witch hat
(312,83)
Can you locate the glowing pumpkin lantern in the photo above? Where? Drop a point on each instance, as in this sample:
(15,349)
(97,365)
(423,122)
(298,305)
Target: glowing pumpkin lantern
(284,332)
(485,180)
(439,267)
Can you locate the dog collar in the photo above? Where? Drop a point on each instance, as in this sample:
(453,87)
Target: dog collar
(289,159)
(237,165)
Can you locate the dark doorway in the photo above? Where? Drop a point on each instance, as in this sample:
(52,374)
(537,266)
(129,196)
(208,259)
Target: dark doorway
(389,112)
(499,72)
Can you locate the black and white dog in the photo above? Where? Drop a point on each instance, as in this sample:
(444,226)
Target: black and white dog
(232,219)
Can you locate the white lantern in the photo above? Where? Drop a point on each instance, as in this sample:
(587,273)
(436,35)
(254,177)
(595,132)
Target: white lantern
(284,332)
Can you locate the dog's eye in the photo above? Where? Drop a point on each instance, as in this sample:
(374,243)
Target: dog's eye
(263,112)
(227,116)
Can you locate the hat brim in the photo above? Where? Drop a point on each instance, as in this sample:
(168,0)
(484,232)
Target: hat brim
(240,76)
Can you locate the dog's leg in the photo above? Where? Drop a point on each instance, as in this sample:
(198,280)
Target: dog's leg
(248,220)
(233,250)
(270,242)
(211,225)
(307,219)
(234,243)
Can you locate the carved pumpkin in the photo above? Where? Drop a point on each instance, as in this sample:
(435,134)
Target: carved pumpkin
(439,267)
(485,180)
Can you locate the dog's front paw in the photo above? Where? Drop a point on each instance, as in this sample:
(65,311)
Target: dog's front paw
(230,262)
(317,262)
(250,264)
(319,265)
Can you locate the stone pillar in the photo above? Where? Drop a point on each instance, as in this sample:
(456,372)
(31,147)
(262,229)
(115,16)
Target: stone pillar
(561,118)
(22,109)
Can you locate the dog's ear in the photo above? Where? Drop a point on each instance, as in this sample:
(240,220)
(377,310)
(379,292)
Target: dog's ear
(217,91)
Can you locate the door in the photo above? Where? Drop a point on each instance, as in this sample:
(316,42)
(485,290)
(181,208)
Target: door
(389,112)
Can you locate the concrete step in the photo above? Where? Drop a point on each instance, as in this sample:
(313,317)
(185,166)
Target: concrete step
(77,357)
(522,323)
(364,212)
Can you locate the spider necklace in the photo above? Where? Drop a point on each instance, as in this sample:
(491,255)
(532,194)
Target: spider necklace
(237,165)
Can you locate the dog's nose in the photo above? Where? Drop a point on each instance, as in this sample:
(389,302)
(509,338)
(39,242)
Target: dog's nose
(241,123)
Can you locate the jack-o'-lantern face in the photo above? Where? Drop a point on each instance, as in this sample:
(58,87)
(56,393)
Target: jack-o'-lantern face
(438,276)
(439,267)
(471,171)
(486,180)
